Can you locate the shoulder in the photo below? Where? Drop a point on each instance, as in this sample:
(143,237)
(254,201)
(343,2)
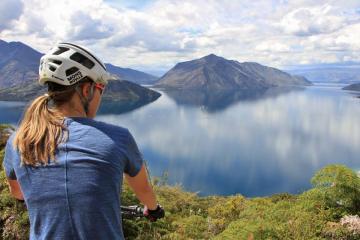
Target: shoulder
(110,127)
(10,139)
(81,121)
(107,128)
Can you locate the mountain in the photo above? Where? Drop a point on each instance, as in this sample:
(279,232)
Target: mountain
(131,75)
(116,91)
(353,87)
(123,96)
(216,73)
(335,74)
(121,91)
(19,64)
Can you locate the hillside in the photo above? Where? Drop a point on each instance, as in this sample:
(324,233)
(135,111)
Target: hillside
(19,64)
(116,91)
(216,73)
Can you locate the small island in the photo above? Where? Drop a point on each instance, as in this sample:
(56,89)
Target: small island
(217,73)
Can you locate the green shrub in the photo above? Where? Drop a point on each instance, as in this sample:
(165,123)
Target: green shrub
(14,220)
(339,187)
(193,227)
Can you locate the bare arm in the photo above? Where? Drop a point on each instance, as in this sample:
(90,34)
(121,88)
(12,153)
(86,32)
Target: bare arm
(142,188)
(15,189)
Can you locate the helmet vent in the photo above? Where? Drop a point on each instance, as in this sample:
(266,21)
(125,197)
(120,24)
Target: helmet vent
(86,62)
(60,50)
(71,71)
(56,62)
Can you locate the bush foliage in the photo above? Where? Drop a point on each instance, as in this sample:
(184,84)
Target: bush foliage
(314,214)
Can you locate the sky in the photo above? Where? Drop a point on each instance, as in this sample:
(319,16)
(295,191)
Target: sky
(153,36)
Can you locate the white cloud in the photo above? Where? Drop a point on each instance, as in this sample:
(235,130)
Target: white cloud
(10,10)
(162,33)
(272,46)
(85,27)
(311,21)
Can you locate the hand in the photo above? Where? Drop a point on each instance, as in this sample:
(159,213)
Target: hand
(154,215)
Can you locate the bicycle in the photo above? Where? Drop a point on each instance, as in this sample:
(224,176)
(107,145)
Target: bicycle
(135,211)
(130,212)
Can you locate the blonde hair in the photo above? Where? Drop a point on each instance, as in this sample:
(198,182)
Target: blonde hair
(42,128)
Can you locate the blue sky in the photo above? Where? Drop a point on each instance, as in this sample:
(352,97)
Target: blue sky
(132,4)
(154,35)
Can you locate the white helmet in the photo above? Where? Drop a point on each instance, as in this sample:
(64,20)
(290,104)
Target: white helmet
(67,63)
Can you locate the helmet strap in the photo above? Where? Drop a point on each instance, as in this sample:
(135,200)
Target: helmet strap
(85,100)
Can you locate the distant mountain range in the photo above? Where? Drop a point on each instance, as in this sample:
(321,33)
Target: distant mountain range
(214,72)
(330,74)
(131,75)
(19,64)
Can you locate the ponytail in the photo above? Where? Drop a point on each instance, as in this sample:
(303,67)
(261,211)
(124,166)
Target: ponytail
(42,129)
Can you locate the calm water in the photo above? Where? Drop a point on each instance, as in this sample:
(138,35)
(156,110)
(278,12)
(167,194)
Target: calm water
(254,144)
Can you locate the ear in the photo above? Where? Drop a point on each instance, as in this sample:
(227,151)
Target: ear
(86,89)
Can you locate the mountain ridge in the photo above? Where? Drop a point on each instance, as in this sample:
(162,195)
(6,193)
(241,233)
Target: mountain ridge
(131,75)
(330,74)
(215,72)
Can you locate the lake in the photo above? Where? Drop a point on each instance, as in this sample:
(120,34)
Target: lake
(251,143)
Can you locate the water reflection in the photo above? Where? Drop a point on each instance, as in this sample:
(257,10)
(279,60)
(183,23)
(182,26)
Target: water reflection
(255,148)
(213,101)
(120,107)
(270,143)
(10,112)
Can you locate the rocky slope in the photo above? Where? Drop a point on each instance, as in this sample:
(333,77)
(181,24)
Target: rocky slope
(18,64)
(216,73)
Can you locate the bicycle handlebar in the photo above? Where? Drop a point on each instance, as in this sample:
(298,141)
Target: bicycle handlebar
(132,211)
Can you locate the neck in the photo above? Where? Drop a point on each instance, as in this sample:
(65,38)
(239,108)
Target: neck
(72,111)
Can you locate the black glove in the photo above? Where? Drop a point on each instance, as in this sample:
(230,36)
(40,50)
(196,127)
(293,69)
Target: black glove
(154,215)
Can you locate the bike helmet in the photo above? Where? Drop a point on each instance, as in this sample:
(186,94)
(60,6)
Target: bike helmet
(67,64)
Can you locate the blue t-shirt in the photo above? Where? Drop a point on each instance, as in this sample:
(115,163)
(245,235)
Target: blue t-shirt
(78,196)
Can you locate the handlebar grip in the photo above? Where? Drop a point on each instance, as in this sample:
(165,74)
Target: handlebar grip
(132,211)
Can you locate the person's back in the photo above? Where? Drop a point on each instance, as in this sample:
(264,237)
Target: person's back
(68,167)
(77,197)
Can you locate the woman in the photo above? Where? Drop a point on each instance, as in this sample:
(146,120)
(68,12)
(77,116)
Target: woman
(68,167)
